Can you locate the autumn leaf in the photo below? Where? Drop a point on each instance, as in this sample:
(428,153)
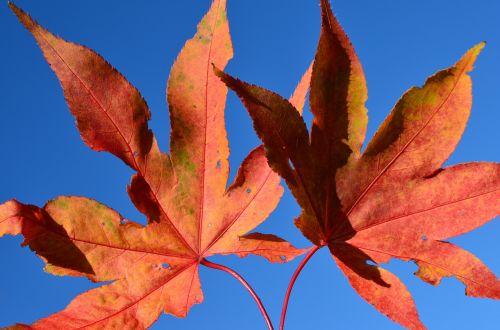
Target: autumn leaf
(392,200)
(191,215)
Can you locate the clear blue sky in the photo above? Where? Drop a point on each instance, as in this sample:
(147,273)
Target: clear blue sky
(400,43)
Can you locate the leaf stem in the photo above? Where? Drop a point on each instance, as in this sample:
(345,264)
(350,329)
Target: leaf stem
(254,295)
(292,282)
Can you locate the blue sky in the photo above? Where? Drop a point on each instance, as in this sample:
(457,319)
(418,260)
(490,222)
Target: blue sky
(400,43)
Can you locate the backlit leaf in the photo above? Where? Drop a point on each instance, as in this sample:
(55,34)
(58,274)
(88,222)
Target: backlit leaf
(191,215)
(393,200)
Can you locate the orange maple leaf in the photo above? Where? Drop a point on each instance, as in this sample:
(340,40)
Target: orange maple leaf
(393,200)
(191,214)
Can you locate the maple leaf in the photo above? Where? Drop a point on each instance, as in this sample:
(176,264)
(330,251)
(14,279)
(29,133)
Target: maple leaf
(393,200)
(191,214)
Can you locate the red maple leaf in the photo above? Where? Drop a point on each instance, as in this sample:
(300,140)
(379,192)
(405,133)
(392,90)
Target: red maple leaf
(191,215)
(393,200)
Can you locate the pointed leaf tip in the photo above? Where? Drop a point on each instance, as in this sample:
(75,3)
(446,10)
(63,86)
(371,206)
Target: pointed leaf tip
(226,78)
(15,9)
(477,49)
(218,72)
(470,57)
(23,17)
(326,11)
